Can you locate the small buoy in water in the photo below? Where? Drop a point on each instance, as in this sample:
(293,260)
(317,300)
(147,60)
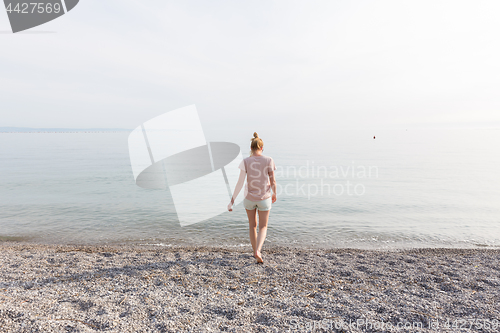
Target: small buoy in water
(374,137)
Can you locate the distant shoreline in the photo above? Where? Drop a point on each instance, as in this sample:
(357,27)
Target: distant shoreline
(66,130)
(60,130)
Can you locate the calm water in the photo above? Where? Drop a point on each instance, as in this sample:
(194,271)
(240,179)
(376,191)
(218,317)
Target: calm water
(437,188)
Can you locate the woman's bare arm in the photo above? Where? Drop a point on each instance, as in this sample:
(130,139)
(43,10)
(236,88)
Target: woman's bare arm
(272,179)
(237,189)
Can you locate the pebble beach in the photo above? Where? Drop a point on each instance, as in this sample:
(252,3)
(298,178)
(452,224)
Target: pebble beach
(134,288)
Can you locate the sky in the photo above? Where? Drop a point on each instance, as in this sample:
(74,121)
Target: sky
(257,64)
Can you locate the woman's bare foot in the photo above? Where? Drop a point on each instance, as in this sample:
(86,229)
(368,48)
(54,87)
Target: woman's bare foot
(258,256)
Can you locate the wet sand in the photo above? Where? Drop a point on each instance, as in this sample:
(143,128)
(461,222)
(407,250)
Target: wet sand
(49,288)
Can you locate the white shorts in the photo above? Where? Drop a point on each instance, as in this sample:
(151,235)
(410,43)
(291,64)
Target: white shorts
(262,205)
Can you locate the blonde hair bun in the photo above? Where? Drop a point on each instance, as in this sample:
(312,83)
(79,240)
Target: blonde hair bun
(256,144)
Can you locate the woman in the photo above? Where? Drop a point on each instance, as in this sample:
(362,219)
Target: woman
(259,170)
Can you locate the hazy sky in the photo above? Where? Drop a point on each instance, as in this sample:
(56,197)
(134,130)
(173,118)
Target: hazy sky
(257,64)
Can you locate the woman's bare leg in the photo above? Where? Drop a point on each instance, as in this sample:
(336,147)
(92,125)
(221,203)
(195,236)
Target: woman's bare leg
(252,227)
(263,218)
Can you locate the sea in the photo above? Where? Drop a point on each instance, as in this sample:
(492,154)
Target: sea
(368,189)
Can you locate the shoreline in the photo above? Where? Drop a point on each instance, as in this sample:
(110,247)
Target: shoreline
(245,244)
(129,288)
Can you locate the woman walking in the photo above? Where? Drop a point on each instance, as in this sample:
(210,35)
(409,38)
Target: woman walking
(259,171)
